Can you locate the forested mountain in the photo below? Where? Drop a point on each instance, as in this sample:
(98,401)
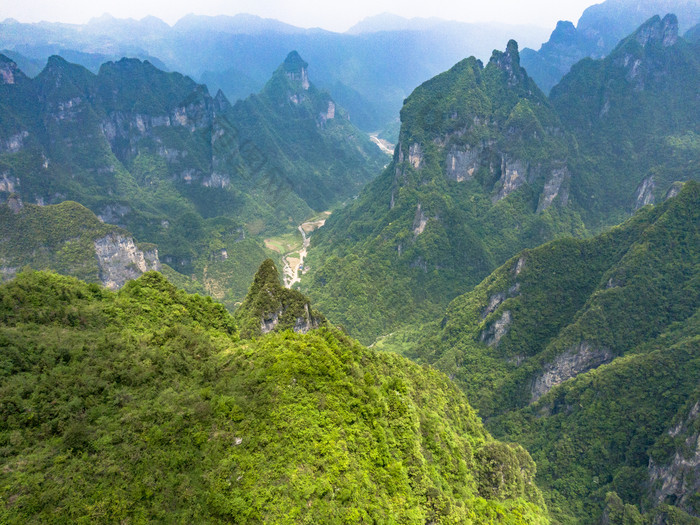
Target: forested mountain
(154,153)
(487,165)
(598,32)
(144,405)
(536,257)
(587,352)
(636,118)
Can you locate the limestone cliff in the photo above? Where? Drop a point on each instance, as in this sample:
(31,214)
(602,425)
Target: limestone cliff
(120,259)
(677,479)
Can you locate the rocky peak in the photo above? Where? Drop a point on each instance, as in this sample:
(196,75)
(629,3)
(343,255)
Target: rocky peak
(564,33)
(269,306)
(9,72)
(658,32)
(296,69)
(60,80)
(509,62)
(221,103)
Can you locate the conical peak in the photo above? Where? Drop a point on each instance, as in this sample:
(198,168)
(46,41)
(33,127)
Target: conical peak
(295,69)
(509,61)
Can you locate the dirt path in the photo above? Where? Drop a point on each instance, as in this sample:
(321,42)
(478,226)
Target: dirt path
(292,263)
(384,145)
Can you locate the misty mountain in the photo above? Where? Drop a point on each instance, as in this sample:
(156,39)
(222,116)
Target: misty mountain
(368,73)
(598,31)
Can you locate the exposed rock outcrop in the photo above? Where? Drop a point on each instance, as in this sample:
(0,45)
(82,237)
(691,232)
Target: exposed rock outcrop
(575,361)
(13,143)
(415,155)
(495,332)
(462,163)
(269,306)
(658,31)
(674,190)
(296,69)
(555,186)
(8,184)
(677,481)
(514,174)
(120,260)
(645,192)
(419,221)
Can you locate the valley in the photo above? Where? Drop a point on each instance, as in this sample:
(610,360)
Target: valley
(416,272)
(294,248)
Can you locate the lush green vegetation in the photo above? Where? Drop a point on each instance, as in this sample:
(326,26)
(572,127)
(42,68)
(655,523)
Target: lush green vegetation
(59,237)
(154,153)
(612,137)
(632,292)
(370,257)
(143,405)
(270,306)
(634,118)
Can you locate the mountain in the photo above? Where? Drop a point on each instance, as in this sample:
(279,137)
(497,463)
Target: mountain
(369,74)
(693,34)
(598,32)
(155,154)
(635,119)
(317,152)
(269,306)
(480,172)
(143,405)
(586,351)
(69,238)
(487,165)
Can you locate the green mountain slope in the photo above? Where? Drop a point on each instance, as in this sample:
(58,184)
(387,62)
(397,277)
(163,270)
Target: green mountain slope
(318,154)
(68,238)
(479,173)
(487,165)
(142,405)
(585,351)
(635,118)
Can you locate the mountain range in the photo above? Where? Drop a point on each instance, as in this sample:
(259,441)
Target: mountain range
(525,265)
(597,33)
(487,165)
(153,153)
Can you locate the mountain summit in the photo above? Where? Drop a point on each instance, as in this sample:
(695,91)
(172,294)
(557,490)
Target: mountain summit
(296,69)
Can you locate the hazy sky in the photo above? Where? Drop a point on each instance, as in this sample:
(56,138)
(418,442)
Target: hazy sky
(335,16)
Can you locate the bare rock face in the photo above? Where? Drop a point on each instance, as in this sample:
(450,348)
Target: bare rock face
(303,324)
(664,32)
(420,221)
(678,480)
(8,184)
(13,143)
(513,175)
(415,156)
(462,163)
(9,72)
(674,190)
(494,302)
(575,361)
(645,192)
(495,332)
(270,307)
(555,187)
(120,260)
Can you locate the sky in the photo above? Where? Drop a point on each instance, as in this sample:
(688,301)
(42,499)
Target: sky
(333,16)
